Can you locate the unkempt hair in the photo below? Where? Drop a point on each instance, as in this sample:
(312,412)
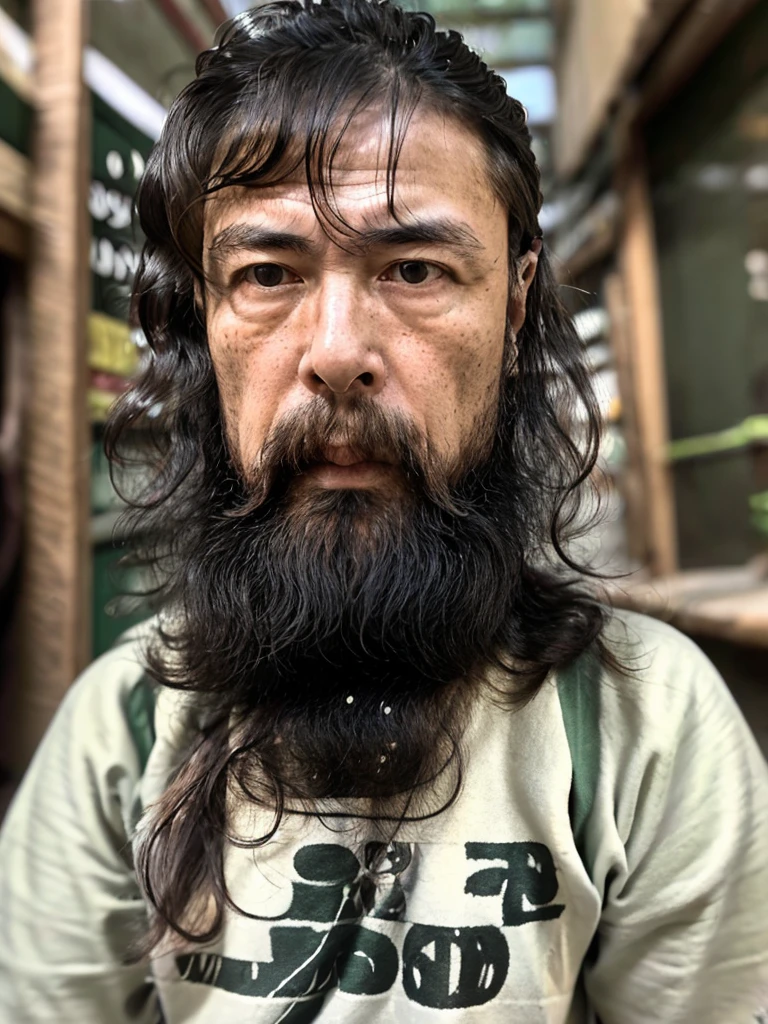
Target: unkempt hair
(274,96)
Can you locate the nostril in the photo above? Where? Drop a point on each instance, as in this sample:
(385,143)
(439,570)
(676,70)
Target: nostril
(366,379)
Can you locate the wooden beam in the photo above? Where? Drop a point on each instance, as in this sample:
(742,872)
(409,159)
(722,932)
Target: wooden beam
(598,248)
(13,75)
(15,180)
(638,261)
(594,55)
(591,240)
(659,20)
(730,603)
(183,25)
(11,397)
(216,12)
(55,608)
(456,17)
(14,237)
(705,24)
(561,11)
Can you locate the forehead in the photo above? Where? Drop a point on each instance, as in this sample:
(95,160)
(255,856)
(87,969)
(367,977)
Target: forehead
(442,169)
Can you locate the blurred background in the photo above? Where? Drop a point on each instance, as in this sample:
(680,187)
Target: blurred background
(650,120)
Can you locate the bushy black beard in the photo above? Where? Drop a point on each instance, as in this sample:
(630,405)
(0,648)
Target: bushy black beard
(342,633)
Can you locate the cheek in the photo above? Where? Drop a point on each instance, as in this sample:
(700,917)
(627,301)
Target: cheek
(253,374)
(466,387)
(478,376)
(229,366)
(239,373)
(478,358)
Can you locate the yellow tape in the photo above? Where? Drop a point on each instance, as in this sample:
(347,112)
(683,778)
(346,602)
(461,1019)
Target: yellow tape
(110,347)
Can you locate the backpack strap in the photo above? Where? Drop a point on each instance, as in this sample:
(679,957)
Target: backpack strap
(140,715)
(579,690)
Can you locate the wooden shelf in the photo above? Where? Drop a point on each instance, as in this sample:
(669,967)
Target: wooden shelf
(731,604)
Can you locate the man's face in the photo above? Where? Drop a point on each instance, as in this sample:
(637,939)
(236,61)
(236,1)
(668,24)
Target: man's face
(411,315)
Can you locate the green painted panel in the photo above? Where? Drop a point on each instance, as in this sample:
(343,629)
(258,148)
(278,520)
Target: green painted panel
(15,119)
(118,154)
(113,612)
(113,134)
(708,157)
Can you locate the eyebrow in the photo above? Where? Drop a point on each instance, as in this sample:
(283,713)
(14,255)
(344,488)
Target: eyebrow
(451,234)
(251,237)
(438,231)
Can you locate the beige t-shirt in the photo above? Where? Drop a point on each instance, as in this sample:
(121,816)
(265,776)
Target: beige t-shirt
(607,858)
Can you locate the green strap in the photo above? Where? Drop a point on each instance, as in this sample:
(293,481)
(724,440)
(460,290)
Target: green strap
(578,687)
(140,714)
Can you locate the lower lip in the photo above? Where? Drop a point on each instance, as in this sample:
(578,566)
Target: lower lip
(360,474)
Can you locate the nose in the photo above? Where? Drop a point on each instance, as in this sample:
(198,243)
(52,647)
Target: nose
(344,353)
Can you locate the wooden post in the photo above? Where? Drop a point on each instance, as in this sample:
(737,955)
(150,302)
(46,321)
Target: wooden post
(639,270)
(55,607)
(632,484)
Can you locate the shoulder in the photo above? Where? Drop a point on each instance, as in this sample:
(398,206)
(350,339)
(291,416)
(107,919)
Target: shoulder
(659,683)
(671,734)
(662,695)
(663,766)
(83,783)
(109,710)
(116,714)
(666,720)
(660,675)
(651,644)
(668,689)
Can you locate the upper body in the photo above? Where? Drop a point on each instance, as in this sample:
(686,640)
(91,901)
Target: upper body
(606,856)
(412,768)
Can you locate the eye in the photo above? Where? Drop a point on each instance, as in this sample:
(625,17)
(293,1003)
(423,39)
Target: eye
(269,275)
(414,272)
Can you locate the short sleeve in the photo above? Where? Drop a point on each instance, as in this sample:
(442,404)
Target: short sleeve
(71,906)
(684,930)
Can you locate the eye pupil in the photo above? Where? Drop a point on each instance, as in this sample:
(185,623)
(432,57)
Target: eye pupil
(414,271)
(268,275)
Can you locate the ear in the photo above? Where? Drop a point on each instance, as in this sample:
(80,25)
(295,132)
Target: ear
(524,271)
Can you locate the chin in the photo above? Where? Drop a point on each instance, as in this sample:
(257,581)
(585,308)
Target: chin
(313,497)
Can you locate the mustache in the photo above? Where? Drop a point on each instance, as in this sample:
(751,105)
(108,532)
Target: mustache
(308,434)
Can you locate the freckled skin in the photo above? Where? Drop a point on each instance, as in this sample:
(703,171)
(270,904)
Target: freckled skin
(341,324)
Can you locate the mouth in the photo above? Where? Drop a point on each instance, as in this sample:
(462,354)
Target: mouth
(344,467)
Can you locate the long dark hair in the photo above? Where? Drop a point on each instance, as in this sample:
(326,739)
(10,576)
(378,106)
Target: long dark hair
(275,95)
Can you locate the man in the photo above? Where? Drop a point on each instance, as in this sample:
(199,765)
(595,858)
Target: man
(380,757)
